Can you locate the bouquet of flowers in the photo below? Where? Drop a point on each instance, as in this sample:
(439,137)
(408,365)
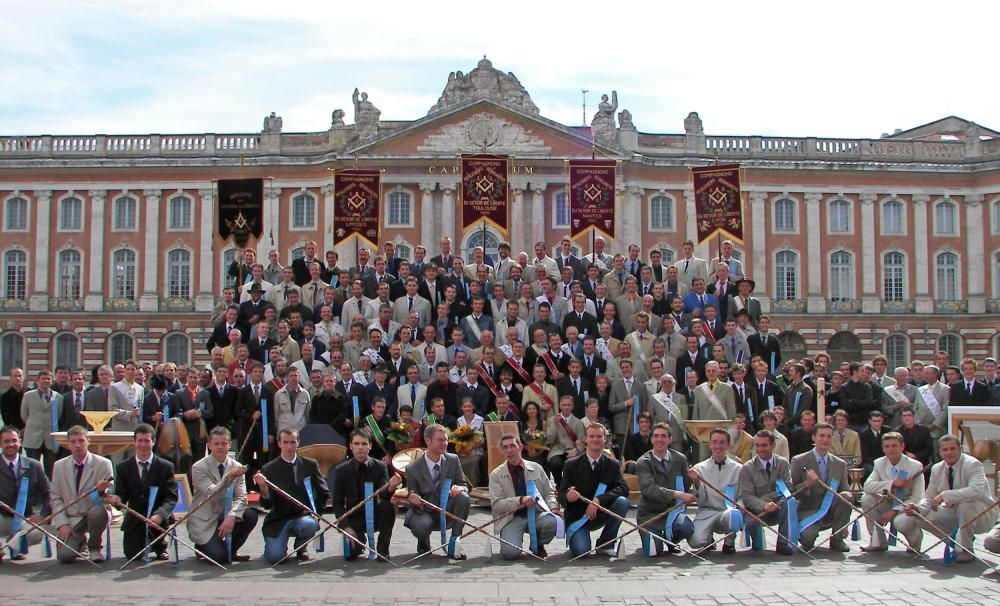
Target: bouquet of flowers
(465,439)
(534,440)
(401,434)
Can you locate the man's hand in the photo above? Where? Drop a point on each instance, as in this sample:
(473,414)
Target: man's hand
(456,490)
(687,497)
(811,477)
(226,527)
(35,519)
(256,415)
(527,501)
(519,387)
(156,519)
(103,485)
(135,412)
(395,481)
(910,509)
(113,500)
(261,483)
(771,508)
(694,475)
(236,471)
(415,500)
(887,517)
(937,502)
(572,495)
(902,483)
(64,532)
(157,417)
(592,511)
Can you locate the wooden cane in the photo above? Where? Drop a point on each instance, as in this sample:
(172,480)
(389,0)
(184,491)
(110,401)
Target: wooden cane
(459,520)
(652,520)
(467,533)
(50,517)
(962,527)
(51,535)
(150,523)
(246,440)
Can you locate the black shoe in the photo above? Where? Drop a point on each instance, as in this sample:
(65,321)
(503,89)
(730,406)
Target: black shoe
(459,557)
(728,549)
(673,549)
(19,557)
(784,549)
(839,545)
(541,552)
(161,556)
(383,558)
(238,557)
(302,556)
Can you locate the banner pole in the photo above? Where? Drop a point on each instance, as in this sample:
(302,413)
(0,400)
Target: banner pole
(484,239)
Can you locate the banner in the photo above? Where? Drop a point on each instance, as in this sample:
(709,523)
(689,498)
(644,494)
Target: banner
(718,202)
(485,191)
(357,195)
(241,209)
(592,196)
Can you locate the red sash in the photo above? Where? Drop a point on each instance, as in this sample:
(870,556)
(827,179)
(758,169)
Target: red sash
(485,376)
(565,425)
(549,363)
(708,332)
(519,370)
(538,390)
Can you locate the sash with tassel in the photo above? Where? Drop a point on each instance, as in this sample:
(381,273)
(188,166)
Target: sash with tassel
(443,519)
(580,523)
(312,503)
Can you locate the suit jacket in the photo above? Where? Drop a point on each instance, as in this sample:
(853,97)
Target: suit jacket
(871,444)
(564,386)
(559,440)
(661,414)
(223,407)
(401,310)
(704,409)
(752,305)
(291,477)
(195,427)
(70,416)
(64,488)
(587,325)
(758,348)
(135,493)
(960,396)
(482,398)
(578,473)
(205,485)
(418,480)
(770,389)
(387,391)
(970,486)
(883,475)
(689,269)
(725,301)
(758,486)
(247,311)
(348,488)
(657,484)
(287,416)
(419,406)
(219,336)
(302,270)
(503,493)
(260,352)
(810,498)
(850,449)
(38,487)
(621,415)
(246,406)
(692,303)
(38,413)
(119,400)
(151,404)
(805,402)
(753,410)
(922,410)
(370,283)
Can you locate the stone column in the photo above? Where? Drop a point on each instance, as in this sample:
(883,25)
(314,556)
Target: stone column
(517,222)
(327,191)
(692,225)
(758,252)
(816,302)
(448,216)
(205,299)
(869,278)
(633,218)
(150,298)
(922,266)
(39,298)
(975,253)
(427,216)
(537,220)
(94,299)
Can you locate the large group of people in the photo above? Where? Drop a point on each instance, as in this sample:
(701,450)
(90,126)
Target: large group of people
(601,361)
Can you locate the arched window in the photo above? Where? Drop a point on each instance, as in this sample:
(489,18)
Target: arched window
(299,252)
(303,212)
(400,211)
(125,214)
(177,349)
(996,216)
(661,213)
(16,214)
(784,216)
(179,213)
(69,275)
(947,277)
(840,217)
(67,351)
(228,256)
(560,210)
(179,274)
(841,276)
(120,348)
(952,345)
(11,353)
(996,276)
(892,218)
(786,275)
(893,274)
(668,255)
(123,274)
(71,214)
(15,273)
(895,351)
(404,252)
(946,218)
(475,238)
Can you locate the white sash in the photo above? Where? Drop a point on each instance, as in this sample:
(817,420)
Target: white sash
(713,399)
(634,341)
(372,355)
(896,394)
(507,350)
(669,405)
(929,399)
(359,378)
(602,348)
(476,331)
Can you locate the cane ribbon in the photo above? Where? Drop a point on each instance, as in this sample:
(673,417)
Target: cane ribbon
(791,511)
(824,507)
(370,519)
(951,549)
(443,519)
(532,520)
(263,425)
(580,523)
(20,507)
(735,515)
(312,503)
(153,490)
(227,506)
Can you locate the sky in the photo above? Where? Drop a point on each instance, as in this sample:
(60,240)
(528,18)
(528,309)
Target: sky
(845,69)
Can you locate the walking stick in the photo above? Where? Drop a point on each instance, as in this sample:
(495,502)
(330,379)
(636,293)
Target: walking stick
(780,500)
(963,526)
(51,535)
(634,526)
(467,533)
(150,523)
(17,536)
(459,520)
(246,440)
(648,522)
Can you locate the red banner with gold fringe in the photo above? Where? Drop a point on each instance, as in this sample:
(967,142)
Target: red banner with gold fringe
(718,201)
(485,191)
(592,196)
(357,195)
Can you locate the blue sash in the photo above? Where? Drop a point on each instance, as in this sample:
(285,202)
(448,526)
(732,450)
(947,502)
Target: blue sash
(668,528)
(263,425)
(791,511)
(951,549)
(735,515)
(153,490)
(312,503)
(443,519)
(226,508)
(357,408)
(750,409)
(532,520)
(20,507)
(370,519)
(901,475)
(577,525)
(107,533)
(55,420)
(824,507)
(774,367)
(795,409)
(635,415)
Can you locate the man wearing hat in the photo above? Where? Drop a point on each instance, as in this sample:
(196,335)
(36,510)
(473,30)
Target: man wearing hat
(743,301)
(251,310)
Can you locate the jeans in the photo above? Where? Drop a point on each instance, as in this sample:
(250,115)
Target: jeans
(681,530)
(302,528)
(579,542)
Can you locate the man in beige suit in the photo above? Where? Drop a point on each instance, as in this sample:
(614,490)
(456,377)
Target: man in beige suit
(713,400)
(689,266)
(41,409)
(210,525)
(125,398)
(564,434)
(931,405)
(87,520)
(509,488)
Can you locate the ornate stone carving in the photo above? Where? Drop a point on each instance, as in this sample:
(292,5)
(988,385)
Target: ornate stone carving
(338,118)
(625,120)
(693,125)
(487,82)
(602,127)
(272,123)
(484,132)
(366,116)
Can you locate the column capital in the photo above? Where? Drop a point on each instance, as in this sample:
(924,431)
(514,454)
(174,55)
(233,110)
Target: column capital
(689,196)
(538,191)
(43,194)
(974,200)
(449,190)
(868,199)
(758,197)
(427,188)
(921,199)
(327,190)
(206,194)
(152,193)
(518,191)
(98,195)
(633,190)
(813,199)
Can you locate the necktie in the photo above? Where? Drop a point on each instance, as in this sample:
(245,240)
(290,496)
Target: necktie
(740,390)
(410,304)
(436,476)
(686,261)
(701,300)
(951,478)
(359,307)
(767,468)
(566,291)
(79,402)
(732,342)
(413,394)
(590,362)
(13,473)
(969,385)
(763,340)
(576,386)
(628,385)
(593,466)
(222,470)
(79,475)
(145,470)
(256,393)
(520,486)
(663,464)
(822,469)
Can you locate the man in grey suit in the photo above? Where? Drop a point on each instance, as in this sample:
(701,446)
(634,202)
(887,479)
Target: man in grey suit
(41,409)
(627,394)
(411,301)
(758,488)
(424,479)
(807,469)
(87,520)
(670,407)
(744,302)
(96,396)
(16,470)
(661,472)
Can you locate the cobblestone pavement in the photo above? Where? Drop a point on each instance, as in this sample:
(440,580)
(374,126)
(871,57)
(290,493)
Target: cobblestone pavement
(746,578)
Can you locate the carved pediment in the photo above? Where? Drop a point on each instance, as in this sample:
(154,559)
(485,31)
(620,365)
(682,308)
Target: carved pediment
(484,132)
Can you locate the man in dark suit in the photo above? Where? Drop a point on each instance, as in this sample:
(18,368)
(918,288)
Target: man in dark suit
(158,403)
(593,363)
(806,470)
(767,390)
(758,489)
(220,334)
(300,266)
(692,359)
(431,286)
(765,345)
(566,258)
(222,397)
(723,289)
(581,477)
(585,323)
(136,478)
(261,343)
(445,258)
(969,391)
(299,477)
(426,478)
(871,440)
(381,387)
(251,311)
(75,402)
(379,276)
(352,389)
(18,468)
(248,410)
(577,386)
(476,391)
(194,409)
(349,489)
